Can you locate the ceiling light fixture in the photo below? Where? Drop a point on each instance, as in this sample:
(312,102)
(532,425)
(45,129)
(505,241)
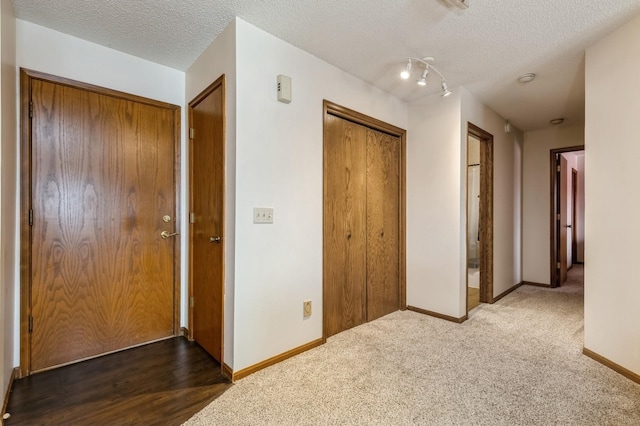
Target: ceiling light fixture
(526,78)
(556,121)
(427,63)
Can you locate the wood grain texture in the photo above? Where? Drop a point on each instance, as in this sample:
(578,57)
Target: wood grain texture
(206,115)
(374,206)
(160,383)
(383,224)
(486,212)
(102,170)
(345,204)
(562,224)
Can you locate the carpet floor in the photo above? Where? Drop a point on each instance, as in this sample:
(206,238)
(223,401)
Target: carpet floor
(516,362)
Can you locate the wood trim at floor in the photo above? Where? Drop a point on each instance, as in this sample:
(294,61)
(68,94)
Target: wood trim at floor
(612,365)
(504,293)
(536,284)
(184,332)
(227,371)
(437,315)
(274,360)
(14,374)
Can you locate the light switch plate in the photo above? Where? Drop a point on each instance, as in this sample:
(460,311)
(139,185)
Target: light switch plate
(262,215)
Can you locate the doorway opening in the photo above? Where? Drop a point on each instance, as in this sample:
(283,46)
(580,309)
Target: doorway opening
(567,212)
(479,232)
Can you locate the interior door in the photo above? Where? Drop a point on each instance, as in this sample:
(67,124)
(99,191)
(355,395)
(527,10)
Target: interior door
(207,218)
(102,191)
(383,219)
(345,221)
(562,222)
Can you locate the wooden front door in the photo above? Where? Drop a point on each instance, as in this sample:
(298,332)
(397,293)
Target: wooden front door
(101,190)
(206,115)
(363,219)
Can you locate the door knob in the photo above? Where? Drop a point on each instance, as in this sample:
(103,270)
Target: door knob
(165,234)
(215,240)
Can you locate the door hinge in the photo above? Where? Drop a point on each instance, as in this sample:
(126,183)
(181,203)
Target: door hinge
(191,302)
(558,216)
(30,217)
(558,265)
(30,324)
(192,132)
(192,218)
(558,168)
(30,109)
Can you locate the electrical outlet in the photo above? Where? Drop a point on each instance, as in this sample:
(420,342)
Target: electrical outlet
(306,308)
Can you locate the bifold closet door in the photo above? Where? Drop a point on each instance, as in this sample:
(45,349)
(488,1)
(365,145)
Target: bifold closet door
(383,224)
(345,220)
(361,224)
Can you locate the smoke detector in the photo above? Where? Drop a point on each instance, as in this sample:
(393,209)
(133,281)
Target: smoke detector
(462,4)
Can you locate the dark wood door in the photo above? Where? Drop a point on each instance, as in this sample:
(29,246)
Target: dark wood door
(102,179)
(345,225)
(562,223)
(383,220)
(207,218)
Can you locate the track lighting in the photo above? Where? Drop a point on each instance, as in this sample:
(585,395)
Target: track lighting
(427,63)
(406,72)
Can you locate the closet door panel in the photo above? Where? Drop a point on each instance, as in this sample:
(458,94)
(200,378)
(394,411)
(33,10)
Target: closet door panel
(383,219)
(345,234)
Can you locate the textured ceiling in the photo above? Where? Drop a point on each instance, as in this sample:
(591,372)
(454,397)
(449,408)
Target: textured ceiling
(484,48)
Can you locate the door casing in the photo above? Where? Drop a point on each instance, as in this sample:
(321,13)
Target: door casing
(553,204)
(485,221)
(26,76)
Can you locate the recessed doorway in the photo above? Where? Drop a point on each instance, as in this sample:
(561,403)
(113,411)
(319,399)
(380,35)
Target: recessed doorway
(479,232)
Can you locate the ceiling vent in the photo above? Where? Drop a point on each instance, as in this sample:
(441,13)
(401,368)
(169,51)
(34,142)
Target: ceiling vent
(462,4)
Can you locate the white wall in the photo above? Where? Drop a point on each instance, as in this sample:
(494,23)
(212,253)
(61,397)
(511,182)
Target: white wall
(507,192)
(279,165)
(8,179)
(536,197)
(436,201)
(52,52)
(218,59)
(612,200)
(435,220)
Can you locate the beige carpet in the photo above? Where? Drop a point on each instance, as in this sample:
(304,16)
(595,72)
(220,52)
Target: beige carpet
(517,362)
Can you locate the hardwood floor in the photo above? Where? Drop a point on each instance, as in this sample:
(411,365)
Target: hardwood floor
(473,298)
(160,383)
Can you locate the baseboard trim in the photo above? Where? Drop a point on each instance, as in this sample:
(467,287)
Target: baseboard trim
(612,365)
(227,371)
(536,284)
(437,315)
(274,360)
(504,293)
(14,373)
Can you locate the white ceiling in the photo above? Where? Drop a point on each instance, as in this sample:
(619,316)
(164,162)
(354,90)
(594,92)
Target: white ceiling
(484,48)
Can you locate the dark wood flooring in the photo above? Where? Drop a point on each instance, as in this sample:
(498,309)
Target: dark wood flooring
(160,383)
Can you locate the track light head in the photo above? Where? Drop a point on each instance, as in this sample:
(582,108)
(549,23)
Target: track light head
(445,89)
(423,79)
(406,73)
